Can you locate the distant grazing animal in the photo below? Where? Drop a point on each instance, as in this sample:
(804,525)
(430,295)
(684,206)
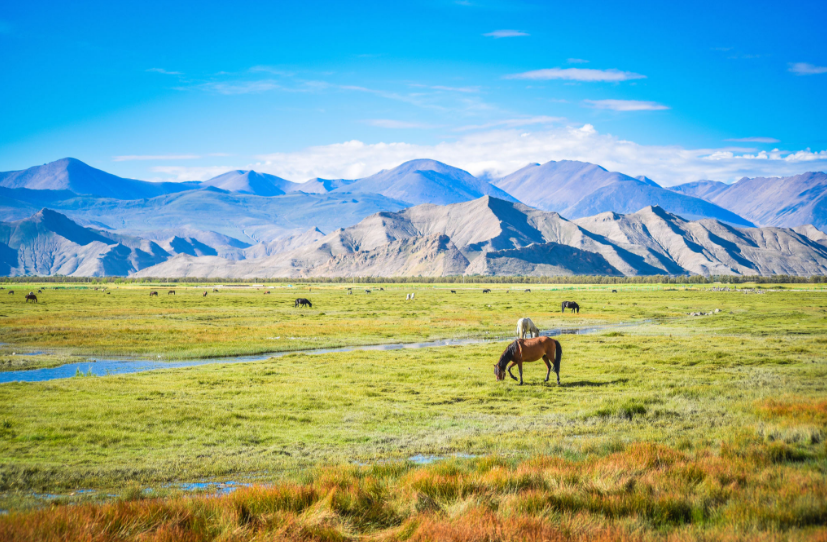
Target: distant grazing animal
(526,327)
(31,297)
(108,293)
(408,297)
(367,291)
(614,291)
(349,291)
(215,290)
(205,293)
(528,290)
(570,305)
(453,291)
(302,302)
(413,294)
(171,292)
(267,292)
(527,350)
(153,293)
(40,291)
(381,289)
(486,291)
(11,292)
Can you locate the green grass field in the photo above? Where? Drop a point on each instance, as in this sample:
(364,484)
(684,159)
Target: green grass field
(689,427)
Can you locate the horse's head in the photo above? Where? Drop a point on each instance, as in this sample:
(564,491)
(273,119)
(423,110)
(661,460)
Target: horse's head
(507,355)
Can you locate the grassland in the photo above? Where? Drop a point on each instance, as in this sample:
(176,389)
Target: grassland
(685,427)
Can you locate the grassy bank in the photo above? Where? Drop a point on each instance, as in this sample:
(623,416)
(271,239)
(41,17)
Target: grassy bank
(689,426)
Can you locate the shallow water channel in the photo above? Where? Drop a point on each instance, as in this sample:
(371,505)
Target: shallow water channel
(105,367)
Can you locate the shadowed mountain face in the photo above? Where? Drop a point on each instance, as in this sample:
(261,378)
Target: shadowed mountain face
(426,181)
(776,201)
(497,237)
(578,189)
(48,243)
(75,176)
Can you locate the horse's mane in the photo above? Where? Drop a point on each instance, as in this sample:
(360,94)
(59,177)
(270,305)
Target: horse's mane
(508,355)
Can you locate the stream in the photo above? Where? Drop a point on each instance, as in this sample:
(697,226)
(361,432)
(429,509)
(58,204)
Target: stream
(107,367)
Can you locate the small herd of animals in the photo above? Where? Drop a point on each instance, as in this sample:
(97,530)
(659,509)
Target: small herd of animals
(528,347)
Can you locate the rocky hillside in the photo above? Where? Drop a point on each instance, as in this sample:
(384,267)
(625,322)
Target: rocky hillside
(577,189)
(770,201)
(495,237)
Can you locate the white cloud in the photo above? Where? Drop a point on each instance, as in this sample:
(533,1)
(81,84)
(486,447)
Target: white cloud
(239,87)
(165,72)
(803,68)
(625,105)
(182,173)
(503,151)
(754,140)
(499,152)
(577,61)
(131,157)
(397,124)
(511,123)
(497,34)
(577,74)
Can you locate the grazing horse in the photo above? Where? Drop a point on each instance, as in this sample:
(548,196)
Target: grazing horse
(486,291)
(171,292)
(267,292)
(11,292)
(367,291)
(215,290)
(570,305)
(526,327)
(381,289)
(528,290)
(205,294)
(453,291)
(614,291)
(153,293)
(302,302)
(31,297)
(526,350)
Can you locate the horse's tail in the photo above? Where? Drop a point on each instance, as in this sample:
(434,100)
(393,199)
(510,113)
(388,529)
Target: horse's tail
(558,356)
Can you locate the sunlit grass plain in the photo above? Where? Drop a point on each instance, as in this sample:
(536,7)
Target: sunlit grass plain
(683,426)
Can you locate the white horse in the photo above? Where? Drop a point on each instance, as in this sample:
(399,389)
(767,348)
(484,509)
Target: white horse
(526,327)
(409,297)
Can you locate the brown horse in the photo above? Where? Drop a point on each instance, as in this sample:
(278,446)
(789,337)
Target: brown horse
(153,293)
(205,293)
(171,292)
(31,297)
(526,350)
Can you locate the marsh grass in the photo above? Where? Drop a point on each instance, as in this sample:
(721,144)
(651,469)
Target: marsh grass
(697,427)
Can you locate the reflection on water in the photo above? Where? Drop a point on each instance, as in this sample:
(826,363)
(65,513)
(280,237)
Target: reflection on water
(106,367)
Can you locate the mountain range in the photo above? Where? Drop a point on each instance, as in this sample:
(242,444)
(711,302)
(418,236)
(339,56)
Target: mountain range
(422,217)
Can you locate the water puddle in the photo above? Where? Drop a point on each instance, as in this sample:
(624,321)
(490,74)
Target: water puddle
(107,367)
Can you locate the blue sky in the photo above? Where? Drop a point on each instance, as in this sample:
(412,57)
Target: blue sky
(675,91)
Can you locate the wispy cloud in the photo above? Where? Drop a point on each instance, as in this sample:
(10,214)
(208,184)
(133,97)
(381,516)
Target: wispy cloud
(577,74)
(183,173)
(398,124)
(625,105)
(273,70)
(230,88)
(497,34)
(577,61)
(803,68)
(165,72)
(754,140)
(131,157)
(511,123)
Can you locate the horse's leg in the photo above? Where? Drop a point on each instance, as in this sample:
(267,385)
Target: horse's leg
(520,367)
(548,366)
(513,363)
